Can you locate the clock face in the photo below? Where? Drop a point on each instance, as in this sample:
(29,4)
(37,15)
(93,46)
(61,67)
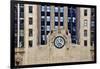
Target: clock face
(59,42)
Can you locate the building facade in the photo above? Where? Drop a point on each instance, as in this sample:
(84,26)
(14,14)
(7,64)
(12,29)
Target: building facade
(47,33)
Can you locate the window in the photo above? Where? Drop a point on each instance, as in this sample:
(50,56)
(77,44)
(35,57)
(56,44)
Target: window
(42,23)
(85,33)
(74,19)
(69,19)
(21,41)
(92,23)
(48,23)
(30,20)
(42,13)
(30,43)
(61,19)
(48,8)
(43,8)
(48,13)
(61,9)
(56,23)
(61,23)
(30,32)
(21,9)
(56,9)
(56,13)
(30,9)
(85,42)
(61,14)
(85,22)
(48,28)
(21,32)
(22,12)
(42,32)
(21,21)
(48,18)
(85,12)
(56,19)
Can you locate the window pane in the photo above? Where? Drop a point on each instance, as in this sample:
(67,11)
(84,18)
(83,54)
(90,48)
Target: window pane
(56,13)
(85,22)
(74,19)
(56,23)
(61,23)
(85,12)
(22,11)
(30,9)
(48,13)
(61,9)
(48,28)
(22,21)
(61,19)
(85,42)
(42,13)
(48,18)
(56,27)
(56,9)
(30,43)
(42,32)
(92,23)
(21,41)
(43,8)
(30,32)
(21,32)
(48,8)
(42,28)
(42,23)
(48,23)
(43,36)
(61,14)
(56,19)
(85,33)
(30,20)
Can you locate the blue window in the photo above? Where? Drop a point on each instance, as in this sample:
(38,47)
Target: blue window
(61,19)
(42,8)
(48,18)
(61,9)
(48,8)
(56,19)
(72,23)
(45,23)
(56,9)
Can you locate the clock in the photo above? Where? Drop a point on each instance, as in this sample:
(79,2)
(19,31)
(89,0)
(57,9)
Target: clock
(59,42)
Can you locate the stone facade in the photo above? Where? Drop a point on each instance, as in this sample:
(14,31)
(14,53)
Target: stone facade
(46,54)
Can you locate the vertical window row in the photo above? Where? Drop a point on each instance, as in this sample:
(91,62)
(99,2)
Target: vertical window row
(72,23)
(92,26)
(45,23)
(16,25)
(61,17)
(21,25)
(85,24)
(56,10)
(48,28)
(30,42)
